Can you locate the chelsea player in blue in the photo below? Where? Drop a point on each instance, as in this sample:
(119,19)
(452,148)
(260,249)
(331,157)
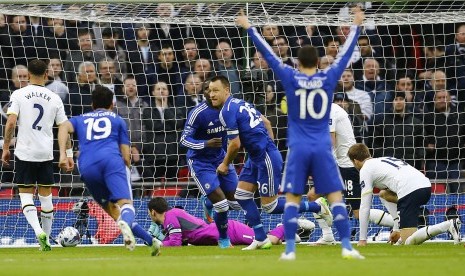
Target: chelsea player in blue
(206,140)
(104,160)
(309,96)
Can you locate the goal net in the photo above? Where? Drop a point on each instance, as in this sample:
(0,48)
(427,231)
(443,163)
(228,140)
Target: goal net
(404,90)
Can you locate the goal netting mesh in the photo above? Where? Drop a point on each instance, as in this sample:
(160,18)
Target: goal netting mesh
(404,90)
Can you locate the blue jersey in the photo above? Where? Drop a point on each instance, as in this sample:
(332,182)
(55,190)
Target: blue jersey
(203,124)
(100,133)
(241,118)
(309,98)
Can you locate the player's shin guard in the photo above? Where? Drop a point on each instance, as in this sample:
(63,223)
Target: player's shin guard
(46,213)
(277,206)
(128,213)
(341,222)
(426,233)
(245,199)
(139,232)
(221,217)
(30,212)
(290,225)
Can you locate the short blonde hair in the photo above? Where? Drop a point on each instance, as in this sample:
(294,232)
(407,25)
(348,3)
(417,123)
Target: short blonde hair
(359,152)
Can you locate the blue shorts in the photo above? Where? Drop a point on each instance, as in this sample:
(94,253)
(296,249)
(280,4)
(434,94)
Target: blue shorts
(107,180)
(266,173)
(317,162)
(206,178)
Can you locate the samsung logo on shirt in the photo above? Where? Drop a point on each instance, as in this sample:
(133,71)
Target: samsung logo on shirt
(215,130)
(313,84)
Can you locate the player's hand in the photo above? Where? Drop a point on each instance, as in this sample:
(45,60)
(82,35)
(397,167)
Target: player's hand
(215,143)
(359,15)
(66,163)
(6,157)
(394,237)
(242,20)
(362,243)
(222,169)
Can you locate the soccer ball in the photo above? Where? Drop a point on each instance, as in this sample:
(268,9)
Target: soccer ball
(69,237)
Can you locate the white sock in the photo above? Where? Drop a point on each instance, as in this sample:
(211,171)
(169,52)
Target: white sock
(381,218)
(428,232)
(327,231)
(30,212)
(46,215)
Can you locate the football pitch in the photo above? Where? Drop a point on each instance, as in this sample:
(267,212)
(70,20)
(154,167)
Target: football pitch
(381,259)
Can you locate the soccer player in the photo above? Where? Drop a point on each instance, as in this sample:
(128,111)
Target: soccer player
(36,109)
(309,95)
(404,188)
(205,138)
(245,125)
(342,138)
(104,160)
(180,227)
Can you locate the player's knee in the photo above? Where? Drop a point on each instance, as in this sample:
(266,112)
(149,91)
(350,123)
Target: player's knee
(234,205)
(243,194)
(311,195)
(221,206)
(270,207)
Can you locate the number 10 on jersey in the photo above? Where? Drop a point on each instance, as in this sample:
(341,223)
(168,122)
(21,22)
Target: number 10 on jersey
(306,103)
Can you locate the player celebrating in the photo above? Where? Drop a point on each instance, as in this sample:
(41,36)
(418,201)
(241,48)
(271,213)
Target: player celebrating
(342,138)
(309,95)
(262,171)
(104,161)
(36,109)
(180,227)
(405,188)
(205,138)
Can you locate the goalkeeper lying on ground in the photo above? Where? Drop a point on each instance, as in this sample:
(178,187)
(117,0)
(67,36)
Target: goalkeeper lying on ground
(175,227)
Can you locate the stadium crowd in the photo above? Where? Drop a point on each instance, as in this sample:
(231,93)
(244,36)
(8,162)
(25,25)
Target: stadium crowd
(404,89)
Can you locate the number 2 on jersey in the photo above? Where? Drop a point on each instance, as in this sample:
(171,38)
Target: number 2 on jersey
(254,119)
(95,131)
(306,103)
(41,114)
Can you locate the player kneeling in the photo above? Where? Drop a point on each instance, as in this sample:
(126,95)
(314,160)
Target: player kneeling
(404,189)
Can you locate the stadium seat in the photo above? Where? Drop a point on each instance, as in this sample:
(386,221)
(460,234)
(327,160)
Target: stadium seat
(172,192)
(7,193)
(438,188)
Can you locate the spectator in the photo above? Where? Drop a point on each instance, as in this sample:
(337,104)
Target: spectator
(270,32)
(38,43)
(325,62)
(19,79)
(130,108)
(108,77)
(18,27)
(444,135)
(80,92)
(342,32)
(6,58)
(309,35)
(203,69)
(86,52)
(362,98)
(54,82)
(281,49)
(455,54)
(405,84)
(399,134)
(377,88)
(97,27)
(72,28)
(435,58)
(355,114)
(168,34)
(225,66)
(57,33)
(332,46)
(112,51)
(437,82)
(162,123)
(142,57)
(190,54)
(192,95)
(167,71)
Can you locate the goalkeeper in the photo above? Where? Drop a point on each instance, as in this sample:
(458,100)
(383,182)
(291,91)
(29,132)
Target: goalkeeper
(175,227)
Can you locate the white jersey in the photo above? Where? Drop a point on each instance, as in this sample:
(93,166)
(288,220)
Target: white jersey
(386,173)
(339,123)
(37,109)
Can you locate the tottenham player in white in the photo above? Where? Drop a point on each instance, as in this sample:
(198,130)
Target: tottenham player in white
(342,137)
(35,109)
(405,188)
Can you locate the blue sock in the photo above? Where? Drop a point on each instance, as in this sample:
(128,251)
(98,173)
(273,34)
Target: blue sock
(341,222)
(290,225)
(208,203)
(221,221)
(253,217)
(304,207)
(139,232)
(128,213)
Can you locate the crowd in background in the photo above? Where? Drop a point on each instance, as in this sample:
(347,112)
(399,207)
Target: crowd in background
(404,90)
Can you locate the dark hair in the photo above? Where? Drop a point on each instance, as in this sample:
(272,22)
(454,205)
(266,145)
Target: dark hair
(282,37)
(224,80)
(358,152)
(331,39)
(308,56)
(399,94)
(82,32)
(363,37)
(129,77)
(159,204)
(189,40)
(109,32)
(37,67)
(166,46)
(102,97)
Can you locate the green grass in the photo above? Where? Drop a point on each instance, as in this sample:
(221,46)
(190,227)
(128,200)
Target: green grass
(381,259)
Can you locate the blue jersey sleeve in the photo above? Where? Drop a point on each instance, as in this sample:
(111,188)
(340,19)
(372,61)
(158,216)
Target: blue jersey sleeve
(283,71)
(187,136)
(228,118)
(340,64)
(123,132)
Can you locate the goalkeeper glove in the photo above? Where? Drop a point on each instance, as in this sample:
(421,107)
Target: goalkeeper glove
(156,231)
